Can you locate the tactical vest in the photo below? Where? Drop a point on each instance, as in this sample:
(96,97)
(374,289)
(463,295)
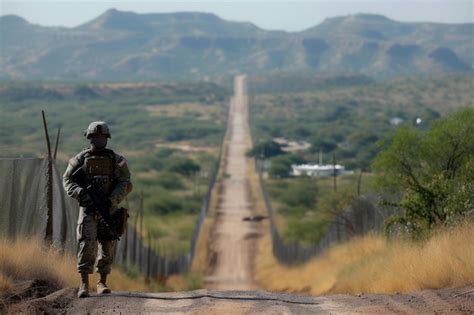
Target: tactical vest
(100,169)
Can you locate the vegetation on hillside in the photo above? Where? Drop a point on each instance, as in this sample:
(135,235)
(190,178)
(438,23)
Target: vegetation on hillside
(352,124)
(183,45)
(302,82)
(434,172)
(368,264)
(349,121)
(139,115)
(305,206)
(152,125)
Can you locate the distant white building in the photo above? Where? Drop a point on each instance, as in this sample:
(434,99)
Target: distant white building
(395,121)
(317,170)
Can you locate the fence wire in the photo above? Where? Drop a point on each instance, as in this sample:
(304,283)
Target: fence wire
(132,250)
(24,209)
(359,218)
(23,197)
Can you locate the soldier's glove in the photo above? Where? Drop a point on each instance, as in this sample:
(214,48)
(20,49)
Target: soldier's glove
(84,199)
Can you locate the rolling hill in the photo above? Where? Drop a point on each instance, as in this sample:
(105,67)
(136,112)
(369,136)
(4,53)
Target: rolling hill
(188,45)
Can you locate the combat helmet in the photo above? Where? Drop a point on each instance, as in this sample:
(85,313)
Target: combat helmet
(97,128)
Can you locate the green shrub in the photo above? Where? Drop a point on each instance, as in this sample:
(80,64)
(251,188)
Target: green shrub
(163,204)
(169,181)
(434,171)
(266,150)
(302,193)
(184,166)
(305,231)
(281,165)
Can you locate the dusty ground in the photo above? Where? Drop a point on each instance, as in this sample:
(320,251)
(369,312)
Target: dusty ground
(232,237)
(445,301)
(233,249)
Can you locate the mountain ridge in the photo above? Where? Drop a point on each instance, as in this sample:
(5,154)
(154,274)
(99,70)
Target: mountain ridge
(362,16)
(122,45)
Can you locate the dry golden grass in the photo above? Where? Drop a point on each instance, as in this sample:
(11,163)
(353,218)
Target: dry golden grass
(177,283)
(369,264)
(200,260)
(377,265)
(29,258)
(5,283)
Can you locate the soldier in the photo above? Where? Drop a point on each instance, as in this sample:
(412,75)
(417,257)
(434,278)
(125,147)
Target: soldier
(110,173)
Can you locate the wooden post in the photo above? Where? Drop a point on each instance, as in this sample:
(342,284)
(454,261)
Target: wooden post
(141,211)
(141,235)
(135,223)
(45,125)
(58,134)
(49,224)
(149,257)
(135,250)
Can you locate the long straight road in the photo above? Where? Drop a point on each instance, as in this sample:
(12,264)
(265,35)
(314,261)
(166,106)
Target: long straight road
(232,242)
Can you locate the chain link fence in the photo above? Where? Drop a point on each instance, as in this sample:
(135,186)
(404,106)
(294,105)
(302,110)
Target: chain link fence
(362,216)
(23,199)
(24,186)
(132,250)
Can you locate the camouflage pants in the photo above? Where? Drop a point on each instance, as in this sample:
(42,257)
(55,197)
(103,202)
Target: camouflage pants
(92,246)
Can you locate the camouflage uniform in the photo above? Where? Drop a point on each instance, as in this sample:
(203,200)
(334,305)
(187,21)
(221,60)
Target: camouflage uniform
(110,171)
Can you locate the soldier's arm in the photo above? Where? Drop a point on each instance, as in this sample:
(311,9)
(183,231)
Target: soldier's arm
(123,184)
(72,188)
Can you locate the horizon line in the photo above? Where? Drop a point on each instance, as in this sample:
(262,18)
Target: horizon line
(236,21)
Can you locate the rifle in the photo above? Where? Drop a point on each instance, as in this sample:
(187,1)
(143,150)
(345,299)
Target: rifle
(100,202)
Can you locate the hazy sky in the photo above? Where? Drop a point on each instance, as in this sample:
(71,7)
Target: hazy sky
(276,14)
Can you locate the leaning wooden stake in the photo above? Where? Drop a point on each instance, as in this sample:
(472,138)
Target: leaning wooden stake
(57,143)
(49,224)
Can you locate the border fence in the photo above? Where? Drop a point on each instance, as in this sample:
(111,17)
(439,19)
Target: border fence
(359,218)
(133,250)
(25,201)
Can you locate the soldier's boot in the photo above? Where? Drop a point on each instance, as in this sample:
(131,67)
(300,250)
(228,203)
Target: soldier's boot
(84,287)
(101,285)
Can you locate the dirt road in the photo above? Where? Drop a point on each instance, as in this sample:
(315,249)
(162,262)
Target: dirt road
(232,241)
(445,301)
(233,245)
